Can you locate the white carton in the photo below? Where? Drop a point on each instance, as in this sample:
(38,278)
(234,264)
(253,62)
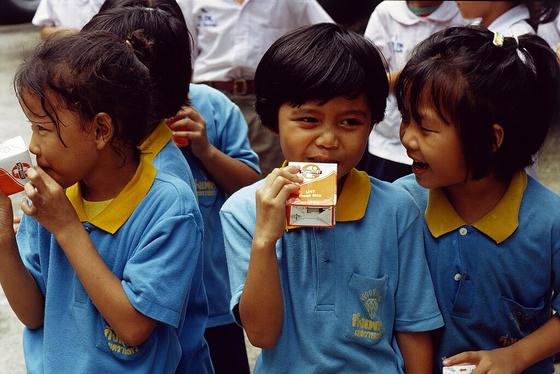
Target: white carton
(459,369)
(315,203)
(14,162)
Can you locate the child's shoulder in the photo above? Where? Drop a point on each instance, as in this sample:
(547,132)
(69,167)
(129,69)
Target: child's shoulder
(393,197)
(243,200)
(418,193)
(541,198)
(390,8)
(169,190)
(202,93)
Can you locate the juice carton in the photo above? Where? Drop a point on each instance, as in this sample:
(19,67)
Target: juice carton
(179,142)
(459,369)
(14,162)
(314,204)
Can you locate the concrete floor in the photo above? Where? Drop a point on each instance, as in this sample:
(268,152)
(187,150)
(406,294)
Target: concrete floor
(15,43)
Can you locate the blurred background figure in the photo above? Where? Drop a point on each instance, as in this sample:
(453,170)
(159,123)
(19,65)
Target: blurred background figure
(230,38)
(64,15)
(510,18)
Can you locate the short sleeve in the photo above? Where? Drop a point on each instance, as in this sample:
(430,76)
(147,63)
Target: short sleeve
(186,7)
(28,242)
(376,32)
(158,276)
(237,226)
(232,132)
(416,305)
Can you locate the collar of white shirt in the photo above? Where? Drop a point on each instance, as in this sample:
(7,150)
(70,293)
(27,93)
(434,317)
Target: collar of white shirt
(444,13)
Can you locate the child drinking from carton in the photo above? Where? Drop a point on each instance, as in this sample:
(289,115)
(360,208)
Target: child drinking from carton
(103,274)
(314,300)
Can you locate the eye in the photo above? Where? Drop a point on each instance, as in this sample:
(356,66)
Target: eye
(307,120)
(38,128)
(351,122)
(426,129)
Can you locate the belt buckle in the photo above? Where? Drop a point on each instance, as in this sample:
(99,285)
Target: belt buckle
(240,87)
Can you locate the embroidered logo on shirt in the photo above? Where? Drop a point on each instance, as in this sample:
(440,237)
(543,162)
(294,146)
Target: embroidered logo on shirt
(398,47)
(115,343)
(205,188)
(205,19)
(369,328)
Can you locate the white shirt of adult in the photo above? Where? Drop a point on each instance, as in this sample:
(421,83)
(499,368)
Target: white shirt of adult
(66,13)
(513,22)
(395,30)
(551,33)
(231,38)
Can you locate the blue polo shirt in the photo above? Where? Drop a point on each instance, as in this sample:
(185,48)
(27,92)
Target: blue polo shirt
(496,280)
(346,289)
(159,149)
(227,131)
(150,237)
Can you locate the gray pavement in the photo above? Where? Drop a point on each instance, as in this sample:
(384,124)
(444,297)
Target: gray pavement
(15,43)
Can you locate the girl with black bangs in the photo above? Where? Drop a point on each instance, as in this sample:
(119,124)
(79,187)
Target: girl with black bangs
(476,107)
(100,270)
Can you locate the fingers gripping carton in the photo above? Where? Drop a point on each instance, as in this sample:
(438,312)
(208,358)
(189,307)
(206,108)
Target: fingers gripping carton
(14,162)
(314,204)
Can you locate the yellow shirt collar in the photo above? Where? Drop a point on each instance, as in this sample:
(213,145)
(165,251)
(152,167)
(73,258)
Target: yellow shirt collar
(352,202)
(122,206)
(498,224)
(155,142)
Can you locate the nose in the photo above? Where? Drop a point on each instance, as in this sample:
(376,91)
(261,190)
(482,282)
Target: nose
(327,139)
(408,137)
(34,145)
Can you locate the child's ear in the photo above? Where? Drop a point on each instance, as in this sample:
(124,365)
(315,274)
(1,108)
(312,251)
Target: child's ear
(103,129)
(498,136)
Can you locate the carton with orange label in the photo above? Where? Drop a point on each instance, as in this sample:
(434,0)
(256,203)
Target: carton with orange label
(314,204)
(459,369)
(14,162)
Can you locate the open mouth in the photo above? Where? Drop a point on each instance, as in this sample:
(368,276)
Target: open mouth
(420,165)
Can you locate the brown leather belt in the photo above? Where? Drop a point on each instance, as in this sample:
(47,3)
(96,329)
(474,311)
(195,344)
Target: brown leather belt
(236,87)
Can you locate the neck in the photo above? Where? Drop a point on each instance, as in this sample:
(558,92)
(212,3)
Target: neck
(496,10)
(474,199)
(110,175)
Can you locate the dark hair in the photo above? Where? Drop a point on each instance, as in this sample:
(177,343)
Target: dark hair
(473,84)
(91,73)
(161,22)
(540,11)
(319,62)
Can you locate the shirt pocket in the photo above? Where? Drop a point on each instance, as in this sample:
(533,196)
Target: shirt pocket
(361,316)
(522,320)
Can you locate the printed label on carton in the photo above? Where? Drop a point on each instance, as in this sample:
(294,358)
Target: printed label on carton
(314,205)
(14,162)
(459,369)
